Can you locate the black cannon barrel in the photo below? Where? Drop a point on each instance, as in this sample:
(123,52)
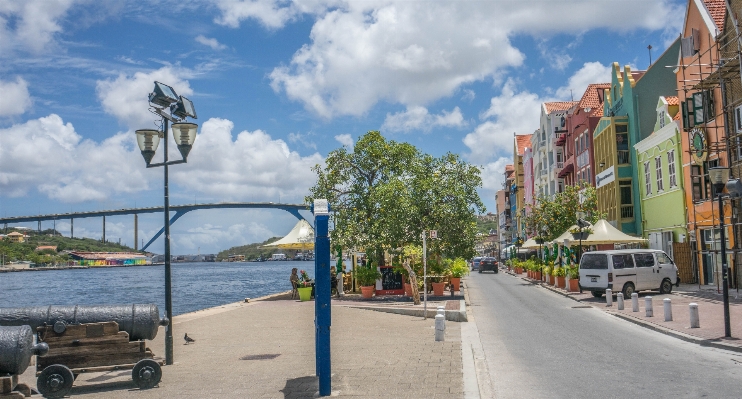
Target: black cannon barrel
(139,320)
(16,349)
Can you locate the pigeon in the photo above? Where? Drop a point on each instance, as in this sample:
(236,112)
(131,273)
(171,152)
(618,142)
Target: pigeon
(188,339)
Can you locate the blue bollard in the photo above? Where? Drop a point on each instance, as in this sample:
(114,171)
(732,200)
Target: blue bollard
(323,316)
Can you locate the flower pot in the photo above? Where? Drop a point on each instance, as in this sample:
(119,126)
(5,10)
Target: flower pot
(456,283)
(574,285)
(368,291)
(552,280)
(561,283)
(438,288)
(408,289)
(580,236)
(305,293)
(537,275)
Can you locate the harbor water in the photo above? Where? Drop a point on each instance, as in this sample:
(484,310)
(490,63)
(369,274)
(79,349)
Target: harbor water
(196,286)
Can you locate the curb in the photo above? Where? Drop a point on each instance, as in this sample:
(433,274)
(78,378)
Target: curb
(451,315)
(642,323)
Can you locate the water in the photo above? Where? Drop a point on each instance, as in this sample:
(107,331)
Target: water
(196,286)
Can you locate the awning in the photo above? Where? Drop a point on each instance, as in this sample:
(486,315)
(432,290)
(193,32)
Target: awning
(300,237)
(605,233)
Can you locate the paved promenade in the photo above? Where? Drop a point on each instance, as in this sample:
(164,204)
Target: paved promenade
(265,349)
(710,310)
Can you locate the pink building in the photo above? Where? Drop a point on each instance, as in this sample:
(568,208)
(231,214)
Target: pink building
(528,179)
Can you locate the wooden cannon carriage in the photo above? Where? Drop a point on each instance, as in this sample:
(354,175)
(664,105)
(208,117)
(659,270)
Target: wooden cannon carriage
(89,348)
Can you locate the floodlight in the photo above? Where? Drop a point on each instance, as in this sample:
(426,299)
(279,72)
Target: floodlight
(148,140)
(163,95)
(183,108)
(184,135)
(734,186)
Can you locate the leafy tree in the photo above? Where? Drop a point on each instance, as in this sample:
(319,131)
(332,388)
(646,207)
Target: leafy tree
(555,215)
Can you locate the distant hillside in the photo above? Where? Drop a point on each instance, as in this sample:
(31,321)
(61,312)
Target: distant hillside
(484,226)
(27,250)
(252,251)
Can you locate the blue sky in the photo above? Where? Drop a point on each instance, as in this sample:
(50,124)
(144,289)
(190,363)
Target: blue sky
(277,85)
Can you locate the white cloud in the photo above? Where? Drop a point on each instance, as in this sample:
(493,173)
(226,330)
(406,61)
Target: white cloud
(591,72)
(413,53)
(252,166)
(346,140)
(125,97)
(493,175)
(303,139)
(208,235)
(469,95)
(418,118)
(31,24)
(49,156)
(270,13)
(211,42)
(14,99)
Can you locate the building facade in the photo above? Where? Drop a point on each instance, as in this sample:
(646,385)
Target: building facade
(582,118)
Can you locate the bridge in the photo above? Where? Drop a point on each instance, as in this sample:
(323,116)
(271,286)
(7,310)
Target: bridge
(179,210)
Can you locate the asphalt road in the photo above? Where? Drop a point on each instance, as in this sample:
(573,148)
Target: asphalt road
(539,344)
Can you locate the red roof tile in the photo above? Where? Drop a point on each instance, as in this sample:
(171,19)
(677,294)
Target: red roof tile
(522,141)
(593,95)
(672,100)
(677,116)
(559,106)
(509,168)
(717,9)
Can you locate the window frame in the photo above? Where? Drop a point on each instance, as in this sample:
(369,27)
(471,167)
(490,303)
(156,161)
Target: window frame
(672,177)
(647,179)
(658,167)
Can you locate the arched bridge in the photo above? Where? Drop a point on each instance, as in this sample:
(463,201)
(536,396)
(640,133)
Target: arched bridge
(179,210)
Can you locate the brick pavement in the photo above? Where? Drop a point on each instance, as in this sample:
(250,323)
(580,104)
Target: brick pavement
(374,355)
(710,310)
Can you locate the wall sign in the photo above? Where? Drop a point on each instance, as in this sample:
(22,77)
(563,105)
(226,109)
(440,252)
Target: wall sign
(698,144)
(605,177)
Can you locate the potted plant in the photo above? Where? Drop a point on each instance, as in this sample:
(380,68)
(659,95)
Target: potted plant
(574,278)
(581,234)
(457,270)
(304,286)
(437,272)
(537,271)
(560,273)
(547,273)
(366,277)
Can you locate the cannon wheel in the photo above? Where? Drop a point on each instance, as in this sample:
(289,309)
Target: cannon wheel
(55,381)
(146,373)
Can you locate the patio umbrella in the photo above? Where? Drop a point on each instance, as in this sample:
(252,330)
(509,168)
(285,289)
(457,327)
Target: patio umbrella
(605,233)
(300,237)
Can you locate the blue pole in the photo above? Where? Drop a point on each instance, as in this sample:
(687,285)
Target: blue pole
(323,316)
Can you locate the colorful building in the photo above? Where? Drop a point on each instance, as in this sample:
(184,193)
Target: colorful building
(517,195)
(548,157)
(108,258)
(577,141)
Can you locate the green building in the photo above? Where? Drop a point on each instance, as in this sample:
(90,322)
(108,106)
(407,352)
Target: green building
(660,179)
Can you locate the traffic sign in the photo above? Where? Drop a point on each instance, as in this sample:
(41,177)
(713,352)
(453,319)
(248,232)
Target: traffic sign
(433,233)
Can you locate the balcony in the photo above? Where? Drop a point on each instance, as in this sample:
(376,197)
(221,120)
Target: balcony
(569,166)
(627,211)
(560,137)
(623,157)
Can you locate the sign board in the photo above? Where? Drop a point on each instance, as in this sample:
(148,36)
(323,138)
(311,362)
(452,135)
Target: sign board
(433,233)
(605,177)
(321,207)
(391,282)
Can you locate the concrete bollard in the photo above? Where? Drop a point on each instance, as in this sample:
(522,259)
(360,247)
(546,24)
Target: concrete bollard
(440,327)
(668,309)
(442,311)
(634,302)
(648,306)
(695,322)
(609,297)
(619,299)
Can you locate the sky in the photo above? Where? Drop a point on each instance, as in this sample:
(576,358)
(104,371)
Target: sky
(277,85)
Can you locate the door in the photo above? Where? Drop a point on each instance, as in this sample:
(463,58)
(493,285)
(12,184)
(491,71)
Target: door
(647,274)
(623,271)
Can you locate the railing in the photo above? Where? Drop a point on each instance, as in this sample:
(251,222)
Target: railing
(558,135)
(560,165)
(623,157)
(627,211)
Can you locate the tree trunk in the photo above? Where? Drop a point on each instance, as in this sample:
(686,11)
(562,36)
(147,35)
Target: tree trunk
(413,282)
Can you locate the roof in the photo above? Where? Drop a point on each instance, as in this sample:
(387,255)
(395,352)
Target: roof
(107,255)
(15,233)
(509,168)
(558,106)
(593,95)
(672,100)
(43,247)
(522,141)
(717,9)
(677,116)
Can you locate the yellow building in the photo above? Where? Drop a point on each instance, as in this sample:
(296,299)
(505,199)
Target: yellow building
(15,237)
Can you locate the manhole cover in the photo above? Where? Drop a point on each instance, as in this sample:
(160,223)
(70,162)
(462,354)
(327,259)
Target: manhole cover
(266,356)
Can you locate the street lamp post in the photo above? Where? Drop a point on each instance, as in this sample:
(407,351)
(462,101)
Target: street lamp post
(164,98)
(719,176)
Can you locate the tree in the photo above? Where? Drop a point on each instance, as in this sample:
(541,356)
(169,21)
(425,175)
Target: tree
(385,194)
(555,215)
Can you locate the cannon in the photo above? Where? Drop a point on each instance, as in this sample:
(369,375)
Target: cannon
(139,321)
(16,349)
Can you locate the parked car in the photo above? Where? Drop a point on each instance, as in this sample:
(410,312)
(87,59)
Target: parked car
(627,271)
(475,263)
(488,263)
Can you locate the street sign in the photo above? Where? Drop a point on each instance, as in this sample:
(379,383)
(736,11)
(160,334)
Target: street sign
(433,233)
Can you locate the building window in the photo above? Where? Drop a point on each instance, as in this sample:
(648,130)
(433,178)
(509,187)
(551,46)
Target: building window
(662,119)
(587,176)
(622,144)
(627,202)
(671,168)
(658,166)
(698,109)
(647,178)
(700,180)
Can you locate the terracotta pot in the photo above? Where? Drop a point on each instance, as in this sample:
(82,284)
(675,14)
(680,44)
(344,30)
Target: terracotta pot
(367,292)
(456,283)
(408,289)
(574,285)
(561,282)
(438,288)
(551,280)
(538,275)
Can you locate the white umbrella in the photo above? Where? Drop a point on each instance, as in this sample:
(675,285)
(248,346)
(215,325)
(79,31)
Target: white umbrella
(605,233)
(300,237)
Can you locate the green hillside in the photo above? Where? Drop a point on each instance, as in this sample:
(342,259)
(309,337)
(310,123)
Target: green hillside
(253,251)
(26,251)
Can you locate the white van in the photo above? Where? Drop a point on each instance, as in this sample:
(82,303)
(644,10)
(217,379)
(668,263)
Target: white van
(627,271)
